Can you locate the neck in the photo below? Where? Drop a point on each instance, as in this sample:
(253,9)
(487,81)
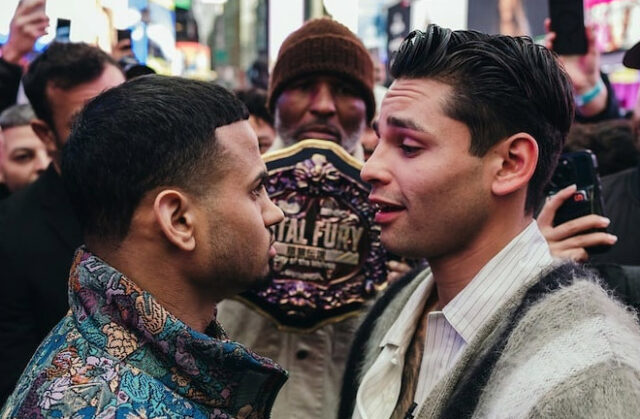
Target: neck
(162,279)
(452,273)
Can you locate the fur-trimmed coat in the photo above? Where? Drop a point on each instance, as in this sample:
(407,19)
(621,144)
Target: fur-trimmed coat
(561,346)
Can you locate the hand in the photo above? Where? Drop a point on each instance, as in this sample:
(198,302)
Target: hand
(566,241)
(122,49)
(396,270)
(29,23)
(583,70)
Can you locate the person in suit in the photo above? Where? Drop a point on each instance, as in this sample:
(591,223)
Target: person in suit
(38,229)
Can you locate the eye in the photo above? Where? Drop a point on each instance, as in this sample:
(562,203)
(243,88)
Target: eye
(259,190)
(409,147)
(22,157)
(344,90)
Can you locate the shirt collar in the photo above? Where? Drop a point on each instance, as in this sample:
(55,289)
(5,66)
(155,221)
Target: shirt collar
(517,263)
(400,333)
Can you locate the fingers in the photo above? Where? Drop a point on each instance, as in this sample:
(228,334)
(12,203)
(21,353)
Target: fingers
(545,218)
(569,240)
(574,248)
(577,226)
(34,19)
(123,44)
(591,39)
(586,240)
(36,31)
(548,40)
(29,6)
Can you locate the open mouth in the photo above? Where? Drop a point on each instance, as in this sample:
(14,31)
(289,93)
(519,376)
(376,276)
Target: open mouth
(388,208)
(386,212)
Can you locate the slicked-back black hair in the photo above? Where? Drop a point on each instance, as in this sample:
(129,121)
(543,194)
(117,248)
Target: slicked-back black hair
(148,132)
(64,65)
(501,85)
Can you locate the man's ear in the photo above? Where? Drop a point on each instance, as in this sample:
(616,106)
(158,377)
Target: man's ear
(517,159)
(46,135)
(175,215)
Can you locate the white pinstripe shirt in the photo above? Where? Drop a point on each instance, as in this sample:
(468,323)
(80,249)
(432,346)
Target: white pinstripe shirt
(450,330)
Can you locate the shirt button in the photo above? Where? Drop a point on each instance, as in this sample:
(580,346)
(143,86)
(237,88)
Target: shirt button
(302,354)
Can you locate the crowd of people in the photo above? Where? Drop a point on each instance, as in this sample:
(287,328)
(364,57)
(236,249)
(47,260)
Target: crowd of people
(134,206)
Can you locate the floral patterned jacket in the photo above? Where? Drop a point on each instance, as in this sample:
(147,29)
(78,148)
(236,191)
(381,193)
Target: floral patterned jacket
(119,353)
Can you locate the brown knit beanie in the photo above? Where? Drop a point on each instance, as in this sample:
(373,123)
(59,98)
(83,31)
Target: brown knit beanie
(323,46)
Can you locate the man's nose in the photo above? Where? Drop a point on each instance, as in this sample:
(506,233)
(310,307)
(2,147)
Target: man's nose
(323,102)
(42,161)
(272,214)
(374,170)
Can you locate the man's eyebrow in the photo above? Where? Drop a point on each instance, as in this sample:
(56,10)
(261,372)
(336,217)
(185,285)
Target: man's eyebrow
(405,123)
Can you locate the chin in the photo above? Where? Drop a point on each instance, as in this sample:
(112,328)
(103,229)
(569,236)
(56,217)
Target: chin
(263,280)
(402,248)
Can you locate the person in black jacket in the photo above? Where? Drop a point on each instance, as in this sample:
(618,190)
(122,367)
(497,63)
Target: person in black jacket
(38,229)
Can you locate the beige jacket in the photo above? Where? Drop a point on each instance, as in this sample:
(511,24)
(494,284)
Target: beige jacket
(315,361)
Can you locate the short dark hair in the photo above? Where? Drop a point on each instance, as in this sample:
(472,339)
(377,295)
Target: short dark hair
(612,142)
(149,132)
(501,85)
(256,101)
(64,65)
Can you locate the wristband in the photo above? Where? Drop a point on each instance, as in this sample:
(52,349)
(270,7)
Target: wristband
(586,98)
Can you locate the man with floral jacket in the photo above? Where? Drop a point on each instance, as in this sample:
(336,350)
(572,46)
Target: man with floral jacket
(175,218)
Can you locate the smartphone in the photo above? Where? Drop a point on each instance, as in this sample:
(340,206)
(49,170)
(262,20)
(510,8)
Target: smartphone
(123,34)
(567,21)
(579,168)
(63,29)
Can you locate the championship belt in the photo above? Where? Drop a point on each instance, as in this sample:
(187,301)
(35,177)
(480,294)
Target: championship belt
(329,258)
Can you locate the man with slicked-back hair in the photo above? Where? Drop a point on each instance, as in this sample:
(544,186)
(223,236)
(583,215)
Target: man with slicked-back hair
(470,132)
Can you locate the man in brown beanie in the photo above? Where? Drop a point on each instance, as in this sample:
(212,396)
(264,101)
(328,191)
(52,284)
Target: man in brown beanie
(322,88)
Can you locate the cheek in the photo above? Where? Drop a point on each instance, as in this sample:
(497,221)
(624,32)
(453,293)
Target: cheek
(291,107)
(352,114)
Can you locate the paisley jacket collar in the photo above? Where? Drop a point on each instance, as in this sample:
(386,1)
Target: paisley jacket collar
(111,311)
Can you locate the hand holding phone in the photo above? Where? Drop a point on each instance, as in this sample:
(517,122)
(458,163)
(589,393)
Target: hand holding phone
(572,220)
(29,23)
(122,48)
(124,35)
